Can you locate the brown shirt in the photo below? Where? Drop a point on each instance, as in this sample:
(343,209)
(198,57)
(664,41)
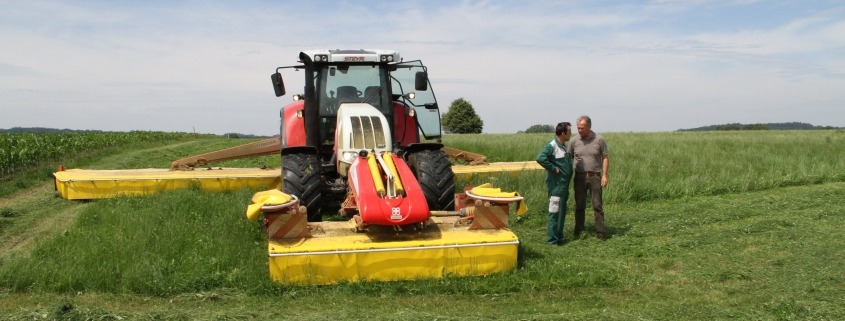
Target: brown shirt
(588,153)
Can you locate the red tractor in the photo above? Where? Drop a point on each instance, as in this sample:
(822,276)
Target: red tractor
(353,142)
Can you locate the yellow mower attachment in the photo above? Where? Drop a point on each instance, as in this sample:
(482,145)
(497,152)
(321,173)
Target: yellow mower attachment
(76,184)
(473,240)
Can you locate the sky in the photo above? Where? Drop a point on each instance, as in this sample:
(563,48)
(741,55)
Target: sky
(632,66)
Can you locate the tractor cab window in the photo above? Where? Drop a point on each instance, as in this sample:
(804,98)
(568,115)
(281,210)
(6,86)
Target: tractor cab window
(423,102)
(349,84)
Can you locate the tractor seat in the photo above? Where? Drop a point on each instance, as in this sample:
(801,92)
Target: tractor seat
(347,94)
(371,92)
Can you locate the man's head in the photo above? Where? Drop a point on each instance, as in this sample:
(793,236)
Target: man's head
(563,131)
(585,125)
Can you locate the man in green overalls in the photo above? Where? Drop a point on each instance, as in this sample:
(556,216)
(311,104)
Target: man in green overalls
(558,164)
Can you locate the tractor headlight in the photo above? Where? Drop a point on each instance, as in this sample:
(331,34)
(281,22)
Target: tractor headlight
(348,157)
(321,58)
(386,58)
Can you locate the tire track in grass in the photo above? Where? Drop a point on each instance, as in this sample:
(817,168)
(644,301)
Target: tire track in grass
(39,212)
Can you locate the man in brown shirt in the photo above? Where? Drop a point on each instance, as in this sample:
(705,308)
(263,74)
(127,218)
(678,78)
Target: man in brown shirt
(591,164)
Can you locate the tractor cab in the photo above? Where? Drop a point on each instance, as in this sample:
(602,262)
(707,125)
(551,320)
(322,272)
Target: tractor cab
(374,77)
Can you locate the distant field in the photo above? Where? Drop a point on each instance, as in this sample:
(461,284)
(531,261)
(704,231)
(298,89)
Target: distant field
(704,225)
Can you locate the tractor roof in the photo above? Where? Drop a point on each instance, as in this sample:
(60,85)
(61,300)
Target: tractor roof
(353,55)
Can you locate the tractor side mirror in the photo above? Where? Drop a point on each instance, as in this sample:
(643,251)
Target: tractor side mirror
(421,81)
(278,84)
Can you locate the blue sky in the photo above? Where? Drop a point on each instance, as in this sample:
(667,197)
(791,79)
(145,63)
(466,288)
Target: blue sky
(204,66)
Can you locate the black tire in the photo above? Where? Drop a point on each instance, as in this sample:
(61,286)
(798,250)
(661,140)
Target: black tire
(434,173)
(301,177)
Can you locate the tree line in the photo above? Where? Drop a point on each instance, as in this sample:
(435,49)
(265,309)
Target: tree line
(760,126)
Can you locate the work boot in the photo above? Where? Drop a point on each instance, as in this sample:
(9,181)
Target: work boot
(578,228)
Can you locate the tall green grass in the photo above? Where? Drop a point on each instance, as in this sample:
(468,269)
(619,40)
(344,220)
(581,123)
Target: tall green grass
(169,243)
(672,165)
(651,166)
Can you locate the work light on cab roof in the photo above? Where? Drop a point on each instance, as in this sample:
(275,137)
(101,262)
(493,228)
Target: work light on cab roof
(349,56)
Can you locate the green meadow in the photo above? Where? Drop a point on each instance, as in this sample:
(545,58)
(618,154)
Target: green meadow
(703,225)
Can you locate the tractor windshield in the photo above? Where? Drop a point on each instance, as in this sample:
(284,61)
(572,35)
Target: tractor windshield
(349,84)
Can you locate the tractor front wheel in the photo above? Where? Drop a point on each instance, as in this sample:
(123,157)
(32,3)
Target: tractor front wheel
(301,177)
(434,173)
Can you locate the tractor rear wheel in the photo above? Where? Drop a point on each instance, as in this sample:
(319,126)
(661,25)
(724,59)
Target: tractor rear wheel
(301,177)
(434,173)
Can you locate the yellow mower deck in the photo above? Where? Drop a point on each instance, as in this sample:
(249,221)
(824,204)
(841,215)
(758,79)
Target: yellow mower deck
(336,253)
(469,171)
(91,184)
(478,242)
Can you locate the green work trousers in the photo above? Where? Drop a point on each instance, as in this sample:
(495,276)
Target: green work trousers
(557,214)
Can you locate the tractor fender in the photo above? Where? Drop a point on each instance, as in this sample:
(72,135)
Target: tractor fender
(413,148)
(292,127)
(309,150)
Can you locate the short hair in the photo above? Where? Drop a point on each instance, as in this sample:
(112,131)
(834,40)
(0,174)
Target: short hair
(561,128)
(585,118)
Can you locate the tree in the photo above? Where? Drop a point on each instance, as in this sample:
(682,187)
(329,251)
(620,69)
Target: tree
(757,126)
(540,129)
(461,118)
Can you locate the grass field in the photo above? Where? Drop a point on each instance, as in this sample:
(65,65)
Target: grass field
(724,225)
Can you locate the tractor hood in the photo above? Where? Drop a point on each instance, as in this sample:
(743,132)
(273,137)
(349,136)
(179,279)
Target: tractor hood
(360,127)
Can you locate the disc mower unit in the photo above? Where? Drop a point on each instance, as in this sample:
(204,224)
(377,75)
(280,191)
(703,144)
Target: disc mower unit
(81,184)
(473,240)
